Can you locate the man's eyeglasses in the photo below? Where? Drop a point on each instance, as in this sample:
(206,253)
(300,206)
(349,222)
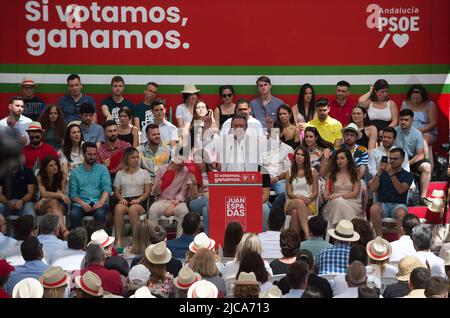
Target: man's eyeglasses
(227,95)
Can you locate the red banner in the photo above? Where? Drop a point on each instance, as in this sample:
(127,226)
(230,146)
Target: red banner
(234,197)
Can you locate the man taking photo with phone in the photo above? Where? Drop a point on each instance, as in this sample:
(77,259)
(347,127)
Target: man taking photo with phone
(391,182)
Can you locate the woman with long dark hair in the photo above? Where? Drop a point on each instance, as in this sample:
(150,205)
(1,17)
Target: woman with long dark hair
(126,131)
(382,111)
(343,189)
(71,155)
(301,190)
(369,131)
(52,185)
(290,134)
(227,109)
(305,109)
(318,148)
(232,237)
(52,121)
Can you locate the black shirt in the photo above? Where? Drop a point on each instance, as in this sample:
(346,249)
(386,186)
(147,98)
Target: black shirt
(396,290)
(313,281)
(15,185)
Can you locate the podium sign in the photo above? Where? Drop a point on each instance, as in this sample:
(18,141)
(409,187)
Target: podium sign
(234,197)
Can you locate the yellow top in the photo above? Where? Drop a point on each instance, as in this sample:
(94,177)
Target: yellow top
(330,129)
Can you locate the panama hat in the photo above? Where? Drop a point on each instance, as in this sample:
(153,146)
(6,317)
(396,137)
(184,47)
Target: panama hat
(139,273)
(344,232)
(28,288)
(143,292)
(436,205)
(201,240)
(379,249)
(90,283)
(190,89)
(203,289)
(35,126)
(158,253)
(406,266)
(186,277)
(354,128)
(102,238)
(273,292)
(27,82)
(54,277)
(245,278)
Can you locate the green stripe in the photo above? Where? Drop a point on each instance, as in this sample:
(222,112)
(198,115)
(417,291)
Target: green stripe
(235,184)
(212,89)
(226,70)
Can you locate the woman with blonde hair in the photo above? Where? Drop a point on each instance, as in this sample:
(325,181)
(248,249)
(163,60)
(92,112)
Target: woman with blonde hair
(204,263)
(140,240)
(131,189)
(54,280)
(249,242)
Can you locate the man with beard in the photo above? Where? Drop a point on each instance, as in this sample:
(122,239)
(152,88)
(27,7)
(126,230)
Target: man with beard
(16,120)
(154,152)
(143,112)
(168,131)
(92,132)
(89,188)
(37,150)
(33,104)
(341,107)
(111,152)
(329,128)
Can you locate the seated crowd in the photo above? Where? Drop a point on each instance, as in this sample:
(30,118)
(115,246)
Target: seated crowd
(327,166)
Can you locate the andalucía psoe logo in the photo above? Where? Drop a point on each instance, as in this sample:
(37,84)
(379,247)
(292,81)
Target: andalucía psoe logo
(235,210)
(397,21)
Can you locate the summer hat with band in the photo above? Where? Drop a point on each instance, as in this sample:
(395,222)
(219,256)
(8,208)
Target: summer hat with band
(102,238)
(344,232)
(27,82)
(190,89)
(379,249)
(90,283)
(54,277)
(186,277)
(406,266)
(35,126)
(158,253)
(354,128)
(143,292)
(28,288)
(245,278)
(203,289)
(200,241)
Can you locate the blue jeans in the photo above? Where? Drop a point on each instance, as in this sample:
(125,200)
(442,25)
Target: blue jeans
(77,214)
(27,209)
(279,187)
(201,206)
(266,211)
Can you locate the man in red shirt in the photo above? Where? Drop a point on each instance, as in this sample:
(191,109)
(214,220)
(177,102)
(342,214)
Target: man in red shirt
(36,149)
(95,262)
(111,152)
(341,107)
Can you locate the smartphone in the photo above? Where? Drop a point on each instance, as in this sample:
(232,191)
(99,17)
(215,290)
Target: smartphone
(384,159)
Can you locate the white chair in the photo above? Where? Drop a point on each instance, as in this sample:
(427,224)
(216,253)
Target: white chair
(276,278)
(69,263)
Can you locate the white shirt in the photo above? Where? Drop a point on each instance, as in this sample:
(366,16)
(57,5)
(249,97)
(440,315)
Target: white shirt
(232,267)
(276,159)
(270,244)
(436,263)
(69,259)
(254,127)
(168,131)
(401,248)
(234,155)
(21,126)
(350,292)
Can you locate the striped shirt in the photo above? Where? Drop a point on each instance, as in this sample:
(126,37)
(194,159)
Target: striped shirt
(333,260)
(359,153)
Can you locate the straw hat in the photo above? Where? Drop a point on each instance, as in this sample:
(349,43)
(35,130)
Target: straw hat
(186,277)
(203,289)
(143,292)
(28,288)
(35,126)
(379,249)
(344,232)
(406,266)
(446,258)
(273,292)
(54,277)
(90,283)
(245,278)
(27,82)
(201,240)
(354,128)
(436,205)
(190,89)
(102,238)
(158,253)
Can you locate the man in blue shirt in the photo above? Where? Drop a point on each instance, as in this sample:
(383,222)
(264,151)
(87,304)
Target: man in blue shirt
(34,267)
(50,229)
(391,182)
(264,107)
(179,246)
(89,188)
(92,132)
(70,103)
(410,139)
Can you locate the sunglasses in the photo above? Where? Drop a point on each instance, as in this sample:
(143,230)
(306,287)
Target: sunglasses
(227,95)
(35,137)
